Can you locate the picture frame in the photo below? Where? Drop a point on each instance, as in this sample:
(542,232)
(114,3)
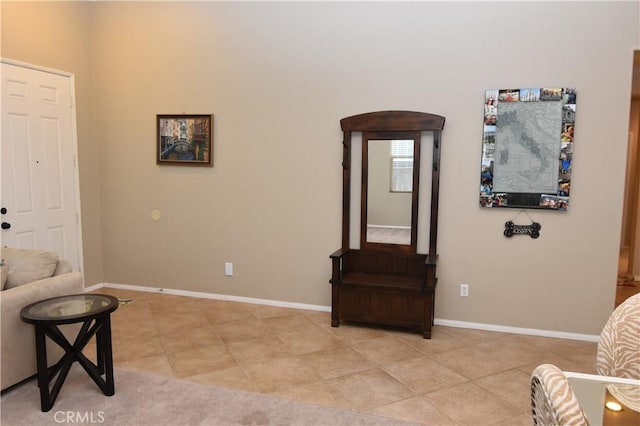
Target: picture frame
(184,139)
(527,148)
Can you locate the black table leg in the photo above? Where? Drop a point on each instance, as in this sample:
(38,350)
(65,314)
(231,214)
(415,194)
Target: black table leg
(102,331)
(41,363)
(100,352)
(101,328)
(107,356)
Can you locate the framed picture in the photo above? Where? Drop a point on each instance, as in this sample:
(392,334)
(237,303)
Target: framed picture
(185,140)
(527,148)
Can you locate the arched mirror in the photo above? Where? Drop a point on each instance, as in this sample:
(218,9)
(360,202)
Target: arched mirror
(386,279)
(390,179)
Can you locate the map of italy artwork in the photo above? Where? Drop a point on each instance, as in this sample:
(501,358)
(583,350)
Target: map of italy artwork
(527,148)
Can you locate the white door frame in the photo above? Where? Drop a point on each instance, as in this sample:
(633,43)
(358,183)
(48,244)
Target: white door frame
(74,142)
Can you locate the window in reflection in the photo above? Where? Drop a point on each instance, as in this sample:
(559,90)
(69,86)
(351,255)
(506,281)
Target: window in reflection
(401,166)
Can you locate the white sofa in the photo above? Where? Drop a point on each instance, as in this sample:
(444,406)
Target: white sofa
(29,276)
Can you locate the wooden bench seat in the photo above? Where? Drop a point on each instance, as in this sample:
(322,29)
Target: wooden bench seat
(384,288)
(383,281)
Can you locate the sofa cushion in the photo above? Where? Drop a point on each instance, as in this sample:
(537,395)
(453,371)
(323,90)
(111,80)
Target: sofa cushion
(63,267)
(25,265)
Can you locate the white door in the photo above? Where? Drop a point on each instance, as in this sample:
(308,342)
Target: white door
(39,187)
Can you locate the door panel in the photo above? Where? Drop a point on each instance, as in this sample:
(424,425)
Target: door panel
(16,160)
(39,175)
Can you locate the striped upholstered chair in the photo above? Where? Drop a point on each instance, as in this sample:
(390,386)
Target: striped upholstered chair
(552,399)
(619,345)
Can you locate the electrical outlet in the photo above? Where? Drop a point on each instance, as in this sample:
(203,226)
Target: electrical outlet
(228,269)
(464,290)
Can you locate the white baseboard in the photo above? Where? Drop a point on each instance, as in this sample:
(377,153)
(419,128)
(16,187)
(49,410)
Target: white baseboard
(518,330)
(212,296)
(443,322)
(370,225)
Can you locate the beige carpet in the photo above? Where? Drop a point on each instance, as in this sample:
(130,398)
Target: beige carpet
(147,399)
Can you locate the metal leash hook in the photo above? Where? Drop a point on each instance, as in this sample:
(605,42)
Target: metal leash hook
(511,229)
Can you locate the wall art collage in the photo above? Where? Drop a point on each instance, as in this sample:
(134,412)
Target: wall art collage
(527,148)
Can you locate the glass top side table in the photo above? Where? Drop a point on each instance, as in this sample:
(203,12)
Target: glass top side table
(67,309)
(94,312)
(594,392)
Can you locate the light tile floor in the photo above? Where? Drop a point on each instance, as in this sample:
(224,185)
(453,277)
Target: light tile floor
(460,376)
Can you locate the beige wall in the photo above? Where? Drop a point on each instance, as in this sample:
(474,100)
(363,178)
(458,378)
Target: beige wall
(58,35)
(635,84)
(633,165)
(278,77)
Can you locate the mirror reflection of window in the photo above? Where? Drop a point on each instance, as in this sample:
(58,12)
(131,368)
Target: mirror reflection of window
(401,165)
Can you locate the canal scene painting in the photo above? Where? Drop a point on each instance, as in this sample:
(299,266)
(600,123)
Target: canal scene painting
(185,140)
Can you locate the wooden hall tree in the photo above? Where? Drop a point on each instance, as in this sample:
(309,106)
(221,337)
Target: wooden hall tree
(387,282)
